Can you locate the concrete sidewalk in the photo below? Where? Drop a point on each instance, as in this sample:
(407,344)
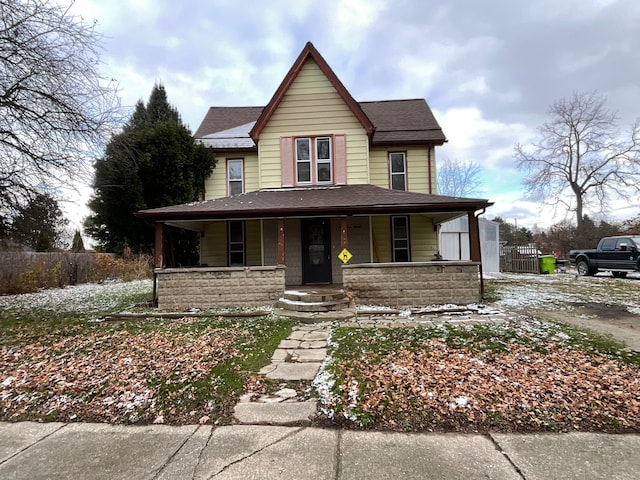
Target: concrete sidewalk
(96,451)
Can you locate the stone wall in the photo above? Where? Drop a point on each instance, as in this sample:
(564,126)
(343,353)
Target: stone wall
(181,288)
(413,284)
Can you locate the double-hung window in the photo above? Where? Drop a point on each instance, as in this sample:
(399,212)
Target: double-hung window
(400,239)
(313,160)
(323,160)
(398,171)
(236,239)
(235,176)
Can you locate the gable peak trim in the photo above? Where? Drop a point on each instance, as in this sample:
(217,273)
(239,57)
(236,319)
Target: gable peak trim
(310,52)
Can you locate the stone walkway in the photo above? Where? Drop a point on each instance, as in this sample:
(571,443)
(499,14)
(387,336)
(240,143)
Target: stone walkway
(298,357)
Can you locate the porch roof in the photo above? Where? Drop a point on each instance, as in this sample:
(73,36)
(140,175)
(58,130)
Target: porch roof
(331,200)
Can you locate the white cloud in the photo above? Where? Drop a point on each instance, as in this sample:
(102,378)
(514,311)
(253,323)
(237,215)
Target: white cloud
(488,69)
(474,138)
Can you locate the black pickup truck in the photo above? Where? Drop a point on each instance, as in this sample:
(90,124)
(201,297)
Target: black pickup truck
(618,255)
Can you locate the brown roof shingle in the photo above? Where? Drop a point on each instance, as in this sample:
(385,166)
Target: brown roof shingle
(403,121)
(218,119)
(317,201)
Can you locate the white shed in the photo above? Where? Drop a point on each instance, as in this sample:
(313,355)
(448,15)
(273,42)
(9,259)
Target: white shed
(454,242)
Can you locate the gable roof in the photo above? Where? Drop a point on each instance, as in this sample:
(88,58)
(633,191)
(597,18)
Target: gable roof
(395,122)
(403,121)
(335,200)
(310,52)
(387,122)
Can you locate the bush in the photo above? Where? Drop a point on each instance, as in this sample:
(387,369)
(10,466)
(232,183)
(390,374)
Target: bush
(24,272)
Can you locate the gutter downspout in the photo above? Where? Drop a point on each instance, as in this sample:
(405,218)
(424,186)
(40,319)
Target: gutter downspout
(480,253)
(429,169)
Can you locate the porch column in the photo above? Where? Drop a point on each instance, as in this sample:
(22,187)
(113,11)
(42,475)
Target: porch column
(474,238)
(474,247)
(281,256)
(343,232)
(159,246)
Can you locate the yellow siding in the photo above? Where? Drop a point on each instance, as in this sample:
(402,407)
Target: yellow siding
(216,185)
(379,167)
(381,239)
(312,106)
(424,240)
(213,245)
(254,243)
(434,183)
(417,168)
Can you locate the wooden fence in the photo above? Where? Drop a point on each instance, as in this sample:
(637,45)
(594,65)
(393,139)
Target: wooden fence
(519,259)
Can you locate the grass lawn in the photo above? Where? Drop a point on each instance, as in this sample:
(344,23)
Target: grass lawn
(58,364)
(518,376)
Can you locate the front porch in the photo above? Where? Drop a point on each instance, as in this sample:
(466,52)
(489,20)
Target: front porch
(390,284)
(379,245)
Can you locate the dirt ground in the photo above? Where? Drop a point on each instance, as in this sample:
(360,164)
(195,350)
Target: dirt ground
(601,303)
(613,320)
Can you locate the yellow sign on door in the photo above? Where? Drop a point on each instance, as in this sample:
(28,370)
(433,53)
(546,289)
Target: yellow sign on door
(345,255)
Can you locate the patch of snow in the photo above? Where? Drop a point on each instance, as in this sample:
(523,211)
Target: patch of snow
(296,292)
(87,297)
(375,308)
(297,302)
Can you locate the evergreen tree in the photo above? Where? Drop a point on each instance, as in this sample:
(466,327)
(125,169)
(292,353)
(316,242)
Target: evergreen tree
(77,245)
(153,162)
(39,224)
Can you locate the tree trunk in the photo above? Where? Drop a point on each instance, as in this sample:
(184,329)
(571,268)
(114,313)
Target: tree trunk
(578,194)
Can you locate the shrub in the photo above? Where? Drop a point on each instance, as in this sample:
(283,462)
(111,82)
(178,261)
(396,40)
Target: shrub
(24,272)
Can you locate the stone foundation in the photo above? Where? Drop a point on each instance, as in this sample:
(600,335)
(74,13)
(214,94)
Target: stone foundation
(182,288)
(413,284)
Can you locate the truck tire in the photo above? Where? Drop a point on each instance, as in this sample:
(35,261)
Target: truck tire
(619,274)
(584,269)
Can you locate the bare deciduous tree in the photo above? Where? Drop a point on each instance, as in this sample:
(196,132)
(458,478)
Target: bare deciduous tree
(459,178)
(55,107)
(581,159)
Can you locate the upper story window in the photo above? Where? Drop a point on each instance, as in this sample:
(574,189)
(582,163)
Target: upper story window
(398,170)
(235,176)
(314,160)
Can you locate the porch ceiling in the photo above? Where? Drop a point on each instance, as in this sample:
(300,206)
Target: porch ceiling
(333,200)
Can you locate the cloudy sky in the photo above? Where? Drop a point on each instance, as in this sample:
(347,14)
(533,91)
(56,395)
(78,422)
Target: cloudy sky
(489,69)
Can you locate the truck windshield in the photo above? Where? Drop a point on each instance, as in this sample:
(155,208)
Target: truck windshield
(636,240)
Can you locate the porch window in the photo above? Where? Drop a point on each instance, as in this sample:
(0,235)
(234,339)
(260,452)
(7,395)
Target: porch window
(400,239)
(314,160)
(398,171)
(235,176)
(236,238)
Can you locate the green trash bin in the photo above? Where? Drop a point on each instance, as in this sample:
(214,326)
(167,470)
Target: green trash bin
(547,264)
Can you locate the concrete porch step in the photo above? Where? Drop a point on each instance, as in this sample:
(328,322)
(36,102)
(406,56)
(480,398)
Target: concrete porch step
(317,299)
(315,295)
(302,306)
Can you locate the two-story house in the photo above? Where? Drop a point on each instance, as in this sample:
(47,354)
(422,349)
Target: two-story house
(316,187)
